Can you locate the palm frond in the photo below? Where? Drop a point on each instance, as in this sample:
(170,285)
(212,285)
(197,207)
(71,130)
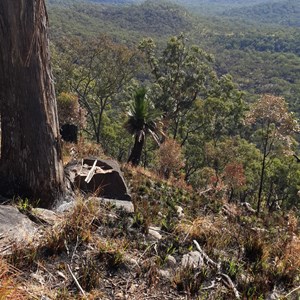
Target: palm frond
(142,116)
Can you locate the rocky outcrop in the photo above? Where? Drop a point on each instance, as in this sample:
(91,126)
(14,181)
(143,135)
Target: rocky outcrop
(15,227)
(99,178)
(119,204)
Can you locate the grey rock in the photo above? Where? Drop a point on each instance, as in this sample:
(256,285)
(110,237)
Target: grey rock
(15,227)
(248,207)
(170,261)
(126,205)
(165,274)
(179,211)
(131,262)
(65,206)
(273,296)
(192,259)
(277,294)
(46,215)
(154,232)
(107,181)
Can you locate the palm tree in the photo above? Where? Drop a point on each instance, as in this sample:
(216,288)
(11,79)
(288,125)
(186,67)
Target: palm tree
(142,120)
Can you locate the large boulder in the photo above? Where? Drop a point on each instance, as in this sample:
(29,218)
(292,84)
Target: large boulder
(15,227)
(104,180)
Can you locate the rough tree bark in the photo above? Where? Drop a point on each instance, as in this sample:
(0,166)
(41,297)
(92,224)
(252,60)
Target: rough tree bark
(30,164)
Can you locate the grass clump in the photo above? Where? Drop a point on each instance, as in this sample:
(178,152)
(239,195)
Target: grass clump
(9,286)
(77,226)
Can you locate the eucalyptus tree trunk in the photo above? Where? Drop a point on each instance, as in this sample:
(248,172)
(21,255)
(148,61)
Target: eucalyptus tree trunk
(30,164)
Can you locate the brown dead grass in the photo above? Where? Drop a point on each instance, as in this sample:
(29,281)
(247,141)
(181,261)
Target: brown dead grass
(291,257)
(9,287)
(81,150)
(200,227)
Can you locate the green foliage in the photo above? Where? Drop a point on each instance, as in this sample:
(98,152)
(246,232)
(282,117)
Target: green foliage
(274,128)
(24,206)
(142,120)
(97,72)
(180,75)
(141,113)
(68,109)
(200,106)
(155,199)
(282,183)
(261,59)
(125,22)
(281,13)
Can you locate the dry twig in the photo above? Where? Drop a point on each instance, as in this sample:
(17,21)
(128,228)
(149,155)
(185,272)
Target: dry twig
(76,281)
(206,257)
(292,291)
(226,279)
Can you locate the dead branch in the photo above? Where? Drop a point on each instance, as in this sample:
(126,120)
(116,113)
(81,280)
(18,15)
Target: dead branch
(147,249)
(91,173)
(205,191)
(76,281)
(75,249)
(230,284)
(226,279)
(292,291)
(206,257)
(213,284)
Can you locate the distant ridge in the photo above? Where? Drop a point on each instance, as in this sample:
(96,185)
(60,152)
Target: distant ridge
(285,13)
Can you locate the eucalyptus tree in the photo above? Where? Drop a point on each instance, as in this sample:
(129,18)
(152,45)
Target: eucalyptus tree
(97,70)
(212,119)
(197,106)
(31,162)
(282,183)
(180,74)
(273,126)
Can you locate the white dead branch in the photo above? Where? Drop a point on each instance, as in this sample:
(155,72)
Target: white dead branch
(94,170)
(91,173)
(76,282)
(226,279)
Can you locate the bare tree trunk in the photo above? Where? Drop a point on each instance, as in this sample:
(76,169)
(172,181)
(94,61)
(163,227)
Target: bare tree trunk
(137,150)
(262,175)
(30,163)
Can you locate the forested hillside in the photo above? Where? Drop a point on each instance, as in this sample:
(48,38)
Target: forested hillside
(127,24)
(261,59)
(284,13)
(105,53)
(176,146)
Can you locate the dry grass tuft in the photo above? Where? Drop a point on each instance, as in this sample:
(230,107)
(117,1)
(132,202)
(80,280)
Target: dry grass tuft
(77,226)
(9,288)
(189,280)
(292,223)
(292,253)
(200,227)
(81,150)
(170,159)
(288,266)
(88,148)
